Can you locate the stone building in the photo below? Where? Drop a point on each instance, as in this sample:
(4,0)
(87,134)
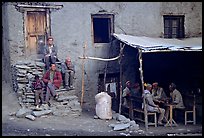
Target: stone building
(73,25)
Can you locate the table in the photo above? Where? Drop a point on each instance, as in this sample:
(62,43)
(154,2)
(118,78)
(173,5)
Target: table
(171,121)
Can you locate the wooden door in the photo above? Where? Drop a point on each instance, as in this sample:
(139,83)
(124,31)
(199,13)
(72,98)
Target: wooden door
(36,29)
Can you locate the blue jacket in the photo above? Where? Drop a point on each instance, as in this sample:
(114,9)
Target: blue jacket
(54,50)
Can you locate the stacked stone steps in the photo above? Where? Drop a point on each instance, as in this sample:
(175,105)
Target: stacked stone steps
(23,74)
(66,104)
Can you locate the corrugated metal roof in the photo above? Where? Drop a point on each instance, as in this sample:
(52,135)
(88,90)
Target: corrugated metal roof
(150,44)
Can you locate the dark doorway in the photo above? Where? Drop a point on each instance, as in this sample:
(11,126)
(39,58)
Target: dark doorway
(112,87)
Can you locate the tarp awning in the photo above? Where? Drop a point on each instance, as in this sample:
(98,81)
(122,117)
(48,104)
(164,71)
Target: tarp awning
(150,44)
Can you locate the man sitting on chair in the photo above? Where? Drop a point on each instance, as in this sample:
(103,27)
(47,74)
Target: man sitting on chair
(151,106)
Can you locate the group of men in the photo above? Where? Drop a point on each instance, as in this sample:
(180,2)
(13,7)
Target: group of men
(52,79)
(155,98)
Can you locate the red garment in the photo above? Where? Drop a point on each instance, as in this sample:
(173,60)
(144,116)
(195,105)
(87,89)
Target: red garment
(38,84)
(57,79)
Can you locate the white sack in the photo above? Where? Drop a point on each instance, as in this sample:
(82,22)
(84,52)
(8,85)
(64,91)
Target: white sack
(103,105)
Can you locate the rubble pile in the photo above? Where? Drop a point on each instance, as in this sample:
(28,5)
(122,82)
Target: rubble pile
(123,123)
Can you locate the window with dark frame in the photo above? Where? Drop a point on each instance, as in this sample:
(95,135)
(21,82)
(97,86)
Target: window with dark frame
(174,26)
(102,27)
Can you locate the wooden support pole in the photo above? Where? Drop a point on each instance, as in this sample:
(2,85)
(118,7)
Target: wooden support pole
(120,62)
(194,109)
(82,80)
(104,79)
(142,81)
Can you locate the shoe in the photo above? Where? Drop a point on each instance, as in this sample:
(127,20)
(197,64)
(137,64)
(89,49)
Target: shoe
(71,87)
(67,87)
(37,107)
(160,123)
(49,104)
(56,96)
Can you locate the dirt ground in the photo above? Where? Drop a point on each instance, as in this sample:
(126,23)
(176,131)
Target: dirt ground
(83,125)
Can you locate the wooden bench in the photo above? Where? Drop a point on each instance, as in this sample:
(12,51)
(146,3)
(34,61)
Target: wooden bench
(141,118)
(137,112)
(134,111)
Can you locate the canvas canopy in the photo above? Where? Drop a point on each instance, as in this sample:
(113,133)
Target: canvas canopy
(150,44)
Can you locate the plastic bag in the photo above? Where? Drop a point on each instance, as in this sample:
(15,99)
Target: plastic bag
(103,105)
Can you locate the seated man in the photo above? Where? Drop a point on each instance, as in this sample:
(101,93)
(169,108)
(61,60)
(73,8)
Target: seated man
(68,72)
(136,90)
(50,53)
(151,106)
(159,96)
(176,98)
(136,95)
(52,78)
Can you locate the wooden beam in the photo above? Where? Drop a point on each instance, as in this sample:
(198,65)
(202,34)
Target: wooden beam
(82,81)
(48,32)
(40,6)
(120,62)
(142,82)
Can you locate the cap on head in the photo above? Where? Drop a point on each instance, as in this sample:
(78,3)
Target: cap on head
(50,38)
(155,84)
(145,84)
(149,85)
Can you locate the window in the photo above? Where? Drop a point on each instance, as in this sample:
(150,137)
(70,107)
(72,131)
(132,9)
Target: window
(102,25)
(173,26)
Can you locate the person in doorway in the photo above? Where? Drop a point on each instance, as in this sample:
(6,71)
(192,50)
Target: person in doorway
(175,98)
(68,72)
(38,87)
(50,52)
(151,106)
(126,94)
(52,78)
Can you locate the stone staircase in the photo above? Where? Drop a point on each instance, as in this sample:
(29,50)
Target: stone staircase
(23,74)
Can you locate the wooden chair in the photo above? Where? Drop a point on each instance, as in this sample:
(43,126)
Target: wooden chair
(191,111)
(138,112)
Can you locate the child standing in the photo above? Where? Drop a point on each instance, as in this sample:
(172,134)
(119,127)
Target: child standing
(38,87)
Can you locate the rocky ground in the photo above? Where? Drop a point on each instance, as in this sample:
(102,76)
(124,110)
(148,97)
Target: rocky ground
(84,125)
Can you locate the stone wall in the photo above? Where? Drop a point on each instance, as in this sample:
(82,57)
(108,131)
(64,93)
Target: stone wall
(6,70)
